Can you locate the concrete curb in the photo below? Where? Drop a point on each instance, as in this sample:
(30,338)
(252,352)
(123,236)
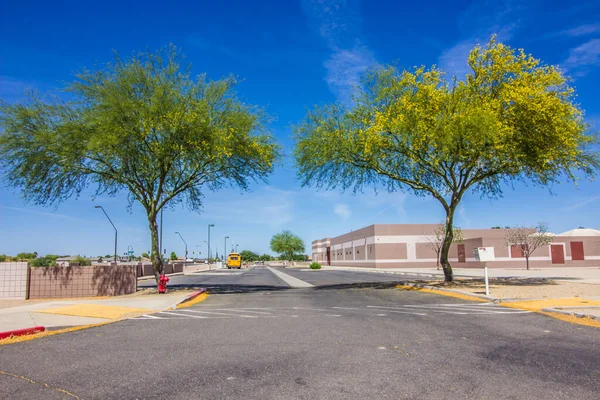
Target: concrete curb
(564,312)
(188,298)
(429,275)
(423,286)
(22,332)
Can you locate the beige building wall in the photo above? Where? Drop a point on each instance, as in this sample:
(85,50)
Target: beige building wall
(407,245)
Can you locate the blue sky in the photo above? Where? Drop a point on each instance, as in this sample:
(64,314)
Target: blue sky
(290,55)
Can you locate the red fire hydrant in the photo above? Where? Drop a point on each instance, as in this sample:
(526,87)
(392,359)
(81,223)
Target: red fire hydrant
(162,283)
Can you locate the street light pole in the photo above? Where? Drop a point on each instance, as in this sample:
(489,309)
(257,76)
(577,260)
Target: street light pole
(225,248)
(113,225)
(236,248)
(209,225)
(186,254)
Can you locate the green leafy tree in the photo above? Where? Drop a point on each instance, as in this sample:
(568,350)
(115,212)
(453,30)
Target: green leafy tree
(26,256)
(42,262)
(287,244)
(142,126)
(3,257)
(173,256)
(145,255)
(249,256)
(265,257)
(512,118)
(83,261)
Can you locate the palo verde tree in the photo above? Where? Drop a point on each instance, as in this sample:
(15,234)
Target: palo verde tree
(287,244)
(142,126)
(512,118)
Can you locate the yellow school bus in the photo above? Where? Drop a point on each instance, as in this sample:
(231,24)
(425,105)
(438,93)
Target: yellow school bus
(234,260)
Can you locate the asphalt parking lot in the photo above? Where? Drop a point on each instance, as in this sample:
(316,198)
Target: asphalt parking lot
(321,342)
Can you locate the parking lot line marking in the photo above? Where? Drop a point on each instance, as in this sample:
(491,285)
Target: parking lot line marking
(406,312)
(152,317)
(220,313)
(243,310)
(442,312)
(290,280)
(183,315)
(346,308)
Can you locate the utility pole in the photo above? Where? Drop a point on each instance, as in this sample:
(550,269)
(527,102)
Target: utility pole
(113,225)
(225,248)
(209,225)
(186,253)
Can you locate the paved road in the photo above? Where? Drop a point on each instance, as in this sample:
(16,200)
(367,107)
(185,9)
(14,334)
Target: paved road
(314,344)
(261,278)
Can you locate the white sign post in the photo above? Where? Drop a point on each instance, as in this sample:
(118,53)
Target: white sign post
(484,254)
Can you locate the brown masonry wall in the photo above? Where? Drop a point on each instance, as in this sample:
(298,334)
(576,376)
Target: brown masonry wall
(96,280)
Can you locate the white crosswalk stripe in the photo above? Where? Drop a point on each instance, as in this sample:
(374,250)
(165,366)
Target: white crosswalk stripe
(487,309)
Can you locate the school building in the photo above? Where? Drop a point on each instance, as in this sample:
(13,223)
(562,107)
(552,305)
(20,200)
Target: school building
(409,246)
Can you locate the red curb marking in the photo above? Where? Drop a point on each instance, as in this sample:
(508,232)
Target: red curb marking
(22,332)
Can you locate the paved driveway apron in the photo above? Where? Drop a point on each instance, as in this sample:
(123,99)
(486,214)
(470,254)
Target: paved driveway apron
(314,343)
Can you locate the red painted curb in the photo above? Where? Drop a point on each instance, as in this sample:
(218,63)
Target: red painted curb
(192,296)
(22,332)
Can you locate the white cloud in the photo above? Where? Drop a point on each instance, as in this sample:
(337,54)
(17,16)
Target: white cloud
(345,68)
(582,203)
(338,23)
(462,212)
(487,18)
(582,30)
(583,57)
(342,211)
(267,206)
(46,214)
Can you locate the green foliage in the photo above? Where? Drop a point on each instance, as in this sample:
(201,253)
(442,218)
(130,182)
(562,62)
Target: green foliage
(145,255)
(3,257)
(26,256)
(315,265)
(249,256)
(287,244)
(82,261)
(143,126)
(512,118)
(265,257)
(46,261)
(173,256)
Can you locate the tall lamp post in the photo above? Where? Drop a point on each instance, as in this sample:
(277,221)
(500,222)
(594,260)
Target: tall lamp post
(185,260)
(225,248)
(209,225)
(236,248)
(113,225)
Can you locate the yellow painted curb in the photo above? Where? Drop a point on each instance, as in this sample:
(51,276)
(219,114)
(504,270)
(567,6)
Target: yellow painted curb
(198,299)
(95,311)
(538,305)
(442,293)
(25,338)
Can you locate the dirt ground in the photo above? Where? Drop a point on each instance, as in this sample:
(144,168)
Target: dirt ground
(508,288)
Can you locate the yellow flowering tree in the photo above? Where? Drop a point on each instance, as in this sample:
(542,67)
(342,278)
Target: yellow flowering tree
(512,118)
(143,126)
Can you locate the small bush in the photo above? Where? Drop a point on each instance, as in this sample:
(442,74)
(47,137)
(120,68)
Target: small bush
(315,265)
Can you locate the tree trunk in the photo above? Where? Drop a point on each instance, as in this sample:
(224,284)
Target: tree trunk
(448,238)
(527,261)
(156,254)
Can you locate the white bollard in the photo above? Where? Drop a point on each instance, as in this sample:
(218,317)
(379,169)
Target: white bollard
(485,277)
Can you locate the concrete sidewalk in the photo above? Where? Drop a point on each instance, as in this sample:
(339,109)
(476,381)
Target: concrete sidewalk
(72,312)
(581,275)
